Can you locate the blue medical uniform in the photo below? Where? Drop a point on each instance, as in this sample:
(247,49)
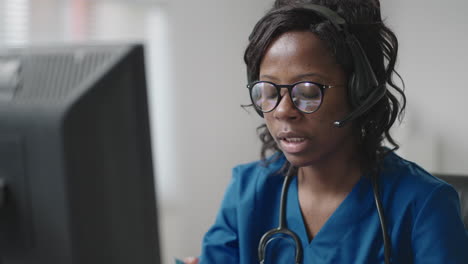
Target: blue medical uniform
(422,213)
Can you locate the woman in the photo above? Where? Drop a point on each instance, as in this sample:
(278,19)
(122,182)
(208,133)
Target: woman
(321,75)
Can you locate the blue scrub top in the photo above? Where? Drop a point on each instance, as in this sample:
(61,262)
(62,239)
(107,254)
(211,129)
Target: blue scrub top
(422,214)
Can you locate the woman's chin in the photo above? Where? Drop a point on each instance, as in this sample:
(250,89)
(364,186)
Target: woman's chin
(298,160)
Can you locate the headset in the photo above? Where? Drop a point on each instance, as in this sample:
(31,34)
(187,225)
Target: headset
(363,87)
(364,92)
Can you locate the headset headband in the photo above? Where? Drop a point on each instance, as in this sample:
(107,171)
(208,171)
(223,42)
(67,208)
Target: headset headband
(328,14)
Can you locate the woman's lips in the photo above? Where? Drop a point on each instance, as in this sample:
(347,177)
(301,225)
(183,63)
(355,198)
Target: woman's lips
(293,144)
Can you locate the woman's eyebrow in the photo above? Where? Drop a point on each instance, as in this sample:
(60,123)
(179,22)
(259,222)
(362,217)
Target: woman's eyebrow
(266,76)
(312,74)
(297,77)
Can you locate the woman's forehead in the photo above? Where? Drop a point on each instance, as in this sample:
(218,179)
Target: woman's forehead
(298,45)
(296,53)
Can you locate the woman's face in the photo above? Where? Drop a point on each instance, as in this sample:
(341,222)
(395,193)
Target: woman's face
(307,139)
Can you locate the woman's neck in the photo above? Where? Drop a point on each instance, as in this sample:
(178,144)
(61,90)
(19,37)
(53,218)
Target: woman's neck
(332,176)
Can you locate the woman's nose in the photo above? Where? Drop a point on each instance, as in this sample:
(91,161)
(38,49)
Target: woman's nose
(286,108)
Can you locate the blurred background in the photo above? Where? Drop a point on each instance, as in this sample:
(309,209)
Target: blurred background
(196,80)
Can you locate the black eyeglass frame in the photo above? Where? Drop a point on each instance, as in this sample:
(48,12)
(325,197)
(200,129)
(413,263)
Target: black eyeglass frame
(289,87)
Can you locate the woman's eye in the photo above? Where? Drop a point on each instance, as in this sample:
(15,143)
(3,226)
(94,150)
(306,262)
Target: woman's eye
(310,95)
(269,94)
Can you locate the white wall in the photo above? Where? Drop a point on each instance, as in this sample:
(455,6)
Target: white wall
(433,55)
(211,132)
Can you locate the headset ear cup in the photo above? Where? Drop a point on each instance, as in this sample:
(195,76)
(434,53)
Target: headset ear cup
(363,81)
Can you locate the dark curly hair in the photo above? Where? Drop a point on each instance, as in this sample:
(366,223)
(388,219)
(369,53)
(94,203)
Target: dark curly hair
(378,42)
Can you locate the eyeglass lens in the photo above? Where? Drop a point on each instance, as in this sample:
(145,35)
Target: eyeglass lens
(306,96)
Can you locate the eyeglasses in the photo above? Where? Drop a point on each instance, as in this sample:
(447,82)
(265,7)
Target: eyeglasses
(306,96)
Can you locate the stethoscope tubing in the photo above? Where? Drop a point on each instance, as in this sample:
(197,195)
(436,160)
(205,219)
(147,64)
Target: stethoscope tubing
(383,224)
(282,228)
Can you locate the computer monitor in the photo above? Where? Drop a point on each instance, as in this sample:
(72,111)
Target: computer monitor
(75,157)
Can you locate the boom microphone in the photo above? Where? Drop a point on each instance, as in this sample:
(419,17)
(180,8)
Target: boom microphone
(371,100)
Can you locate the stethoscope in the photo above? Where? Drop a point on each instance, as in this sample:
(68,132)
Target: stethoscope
(284,231)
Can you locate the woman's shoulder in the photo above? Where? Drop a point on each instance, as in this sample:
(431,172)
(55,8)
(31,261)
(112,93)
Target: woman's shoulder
(408,174)
(427,208)
(405,182)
